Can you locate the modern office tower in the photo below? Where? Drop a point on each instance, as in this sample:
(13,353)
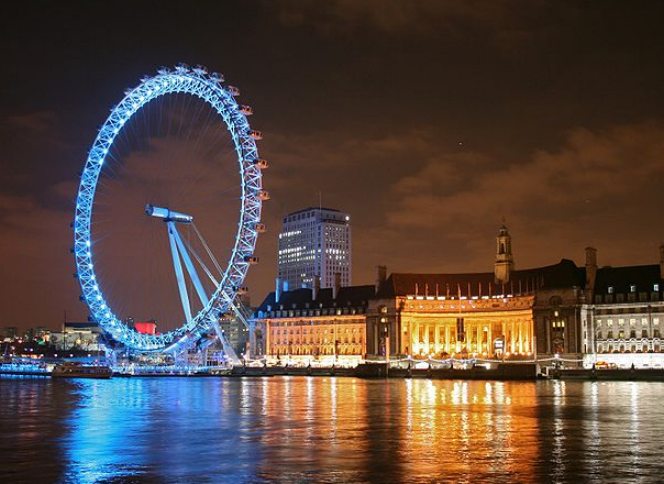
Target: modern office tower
(314,242)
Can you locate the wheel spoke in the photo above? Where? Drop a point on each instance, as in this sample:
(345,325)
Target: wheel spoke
(210,89)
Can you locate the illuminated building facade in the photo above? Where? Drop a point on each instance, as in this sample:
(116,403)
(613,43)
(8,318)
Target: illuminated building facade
(315,242)
(504,314)
(9,333)
(146,327)
(612,315)
(85,336)
(315,324)
(624,318)
(236,334)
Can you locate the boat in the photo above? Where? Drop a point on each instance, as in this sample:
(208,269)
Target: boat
(78,370)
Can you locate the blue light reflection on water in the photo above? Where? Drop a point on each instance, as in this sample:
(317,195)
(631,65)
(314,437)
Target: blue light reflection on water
(328,429)
(138,427)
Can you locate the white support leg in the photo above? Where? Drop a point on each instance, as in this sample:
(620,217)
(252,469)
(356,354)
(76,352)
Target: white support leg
(193,275)
(179,275)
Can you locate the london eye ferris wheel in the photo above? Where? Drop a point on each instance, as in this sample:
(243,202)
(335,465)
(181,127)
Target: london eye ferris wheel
(212,123)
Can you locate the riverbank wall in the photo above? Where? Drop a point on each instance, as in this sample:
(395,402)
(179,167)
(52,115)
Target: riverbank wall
(507,372)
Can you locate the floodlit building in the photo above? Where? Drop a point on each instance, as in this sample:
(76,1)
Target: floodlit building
(506,313)
(84,336)
(589,314)
(326,325)
(314,242)
(622,322)
(146,327)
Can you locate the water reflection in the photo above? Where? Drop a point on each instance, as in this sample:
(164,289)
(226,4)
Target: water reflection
(328,429)
(467,429)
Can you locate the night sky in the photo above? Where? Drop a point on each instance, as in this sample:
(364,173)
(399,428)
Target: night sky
(428,121)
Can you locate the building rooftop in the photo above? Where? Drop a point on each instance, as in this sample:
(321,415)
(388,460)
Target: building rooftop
(88,325)
(351,296)
(326,214)
(560,275)
(621,279)
(564,274)
(313,208)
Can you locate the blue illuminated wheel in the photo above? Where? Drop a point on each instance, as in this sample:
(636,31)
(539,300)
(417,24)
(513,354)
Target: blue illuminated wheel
(221,98)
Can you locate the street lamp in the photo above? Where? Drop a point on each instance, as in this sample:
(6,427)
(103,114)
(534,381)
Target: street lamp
(385,328)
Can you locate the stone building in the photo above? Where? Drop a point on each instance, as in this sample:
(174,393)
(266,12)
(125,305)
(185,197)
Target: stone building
(506,313)
(598,314)
(314,324)
(86,336)
(624,314)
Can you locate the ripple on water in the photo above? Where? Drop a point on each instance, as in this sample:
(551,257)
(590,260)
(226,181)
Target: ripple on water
(299,429)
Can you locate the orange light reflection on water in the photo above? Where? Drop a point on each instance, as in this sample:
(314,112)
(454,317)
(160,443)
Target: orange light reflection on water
(422,428)
(299,429)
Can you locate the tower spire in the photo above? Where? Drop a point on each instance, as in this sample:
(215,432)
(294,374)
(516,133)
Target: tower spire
(504,263)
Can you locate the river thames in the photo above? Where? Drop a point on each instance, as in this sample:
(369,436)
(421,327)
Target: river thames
(308,429)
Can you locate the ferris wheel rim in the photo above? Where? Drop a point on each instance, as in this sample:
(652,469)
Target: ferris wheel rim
(211,90)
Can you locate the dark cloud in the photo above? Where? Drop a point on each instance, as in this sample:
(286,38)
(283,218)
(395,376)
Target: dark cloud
(509,28)
(558,201)
(36,266)
(421,17)
(429,121)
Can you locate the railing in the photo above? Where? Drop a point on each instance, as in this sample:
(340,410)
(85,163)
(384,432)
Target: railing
(175,370)
(22,368)
(470,361)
